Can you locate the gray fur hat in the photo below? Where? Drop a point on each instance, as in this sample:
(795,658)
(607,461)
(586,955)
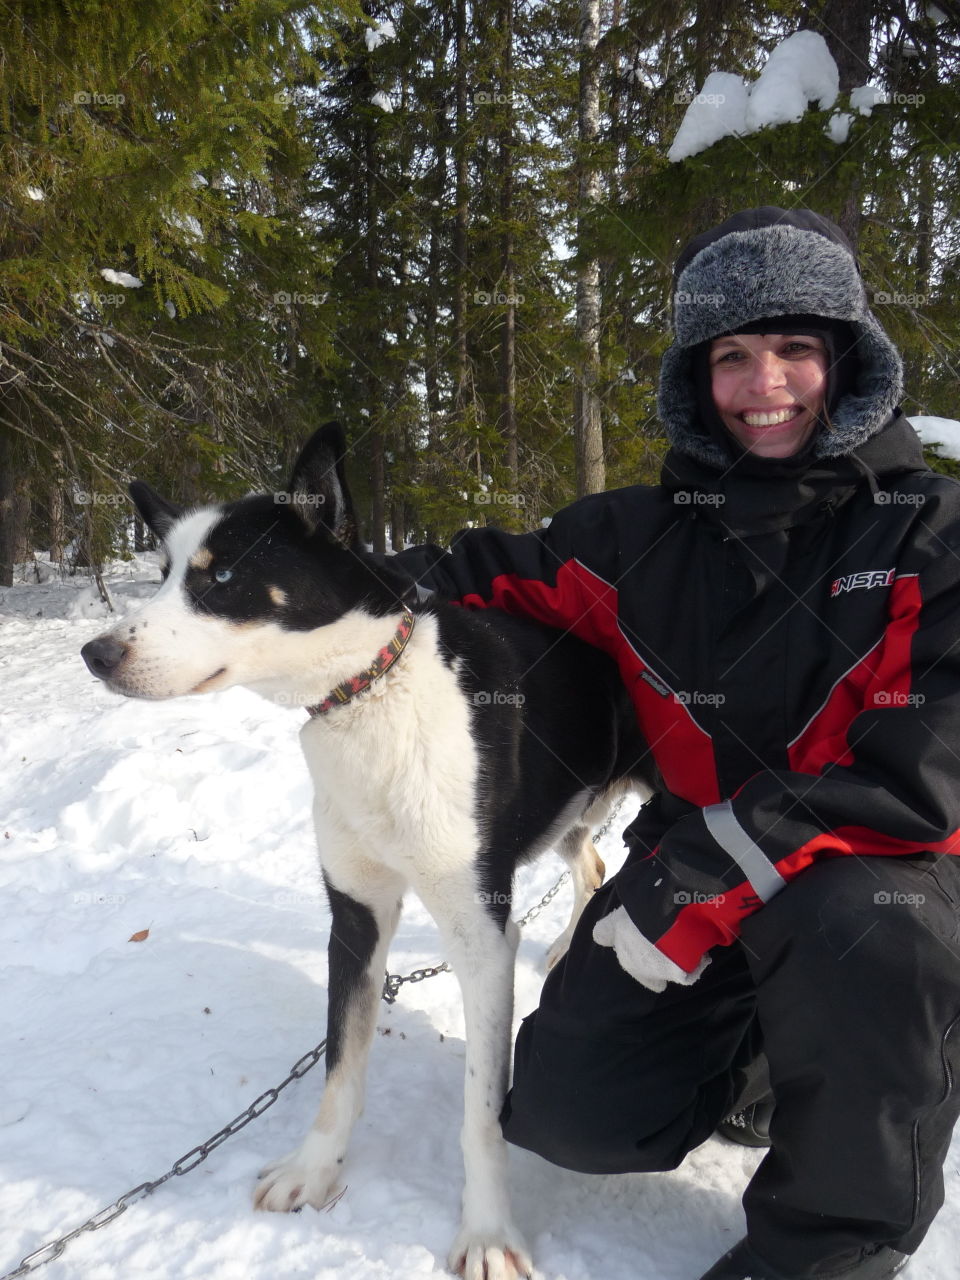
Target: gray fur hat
(760,264)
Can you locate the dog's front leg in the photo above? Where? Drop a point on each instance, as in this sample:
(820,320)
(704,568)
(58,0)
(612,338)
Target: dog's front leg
(365,906)
(488,1246)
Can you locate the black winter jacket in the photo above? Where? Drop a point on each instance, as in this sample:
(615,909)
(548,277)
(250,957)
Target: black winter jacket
(792,649)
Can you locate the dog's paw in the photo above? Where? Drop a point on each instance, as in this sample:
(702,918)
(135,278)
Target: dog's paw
(490,1255)
(290,1183)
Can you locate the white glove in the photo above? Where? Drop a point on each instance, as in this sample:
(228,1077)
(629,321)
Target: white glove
(638,956)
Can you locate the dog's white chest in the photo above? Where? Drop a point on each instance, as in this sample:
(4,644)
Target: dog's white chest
(395,773)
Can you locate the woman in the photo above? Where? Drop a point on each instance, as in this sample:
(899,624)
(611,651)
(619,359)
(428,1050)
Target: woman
(785,609)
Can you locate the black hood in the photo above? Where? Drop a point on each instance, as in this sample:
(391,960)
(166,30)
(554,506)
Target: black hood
(772,263)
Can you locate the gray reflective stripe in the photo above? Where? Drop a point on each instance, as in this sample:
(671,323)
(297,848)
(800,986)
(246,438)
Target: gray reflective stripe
(723,825)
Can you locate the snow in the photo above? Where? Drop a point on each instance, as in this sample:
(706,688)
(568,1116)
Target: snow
(838,126)
(190,819)
(35,193)
(187,223)
(800,70)
(866,96)
(170,308)
(120,277)
(381,100)
(944,432)
(375,36)
(718,111)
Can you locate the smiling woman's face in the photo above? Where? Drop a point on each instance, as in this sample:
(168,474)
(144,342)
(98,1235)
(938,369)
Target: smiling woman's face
(768,389)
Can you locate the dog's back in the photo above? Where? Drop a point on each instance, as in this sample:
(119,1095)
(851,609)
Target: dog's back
(553,726)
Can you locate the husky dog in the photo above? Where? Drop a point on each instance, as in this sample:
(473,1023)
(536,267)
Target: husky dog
(445,745)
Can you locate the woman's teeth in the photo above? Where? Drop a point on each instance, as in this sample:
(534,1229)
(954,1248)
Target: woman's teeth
(769,419)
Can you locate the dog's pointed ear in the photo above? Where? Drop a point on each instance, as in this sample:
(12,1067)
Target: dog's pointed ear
(318,485)
(158,514)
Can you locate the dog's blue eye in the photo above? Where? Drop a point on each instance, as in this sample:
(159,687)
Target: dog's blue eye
(223,575)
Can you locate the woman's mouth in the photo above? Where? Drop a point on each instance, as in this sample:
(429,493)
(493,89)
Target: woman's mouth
(764,419)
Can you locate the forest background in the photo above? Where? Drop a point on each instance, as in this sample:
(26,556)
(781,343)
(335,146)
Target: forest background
(448,225)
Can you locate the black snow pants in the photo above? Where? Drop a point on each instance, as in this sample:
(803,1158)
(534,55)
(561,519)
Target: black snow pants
(848,981)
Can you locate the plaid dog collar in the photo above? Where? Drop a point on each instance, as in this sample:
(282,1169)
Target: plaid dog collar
(382,663)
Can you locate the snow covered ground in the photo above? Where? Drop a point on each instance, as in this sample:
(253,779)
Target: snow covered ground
(189,819)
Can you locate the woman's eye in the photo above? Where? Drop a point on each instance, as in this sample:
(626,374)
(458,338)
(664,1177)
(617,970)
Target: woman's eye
(223,575)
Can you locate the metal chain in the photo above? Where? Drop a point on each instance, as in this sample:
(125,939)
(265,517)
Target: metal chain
(196,1155)
(47,1252)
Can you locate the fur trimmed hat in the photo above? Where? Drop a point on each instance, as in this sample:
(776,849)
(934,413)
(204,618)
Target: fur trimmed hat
(761,264)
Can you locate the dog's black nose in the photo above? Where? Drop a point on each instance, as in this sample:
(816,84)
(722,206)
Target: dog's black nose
(103,656)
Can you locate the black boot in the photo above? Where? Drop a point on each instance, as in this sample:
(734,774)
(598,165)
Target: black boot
(741,1263)
(751,1126)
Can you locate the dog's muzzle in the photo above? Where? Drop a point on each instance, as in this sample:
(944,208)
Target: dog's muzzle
(103,656)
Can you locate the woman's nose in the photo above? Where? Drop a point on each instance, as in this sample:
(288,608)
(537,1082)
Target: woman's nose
(766,373)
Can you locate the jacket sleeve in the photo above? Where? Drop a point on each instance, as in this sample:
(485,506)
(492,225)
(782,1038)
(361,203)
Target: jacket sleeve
(555,575)
(891,788)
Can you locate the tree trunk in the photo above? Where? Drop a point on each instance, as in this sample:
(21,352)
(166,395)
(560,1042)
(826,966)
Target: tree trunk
(374,362)
(378,471)
(588,435)
(57,530)
(14,509)
(461,388)
(845,26)
(397,523)
(508,383)
(432,359)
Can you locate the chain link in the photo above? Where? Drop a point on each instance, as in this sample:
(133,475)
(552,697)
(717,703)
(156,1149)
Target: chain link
(196,1155)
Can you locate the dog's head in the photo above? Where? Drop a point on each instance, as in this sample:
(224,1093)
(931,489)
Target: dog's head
(243,584)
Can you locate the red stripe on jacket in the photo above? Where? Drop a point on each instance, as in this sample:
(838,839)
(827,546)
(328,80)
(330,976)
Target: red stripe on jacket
(702,925)
(880,679)
(682,749)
